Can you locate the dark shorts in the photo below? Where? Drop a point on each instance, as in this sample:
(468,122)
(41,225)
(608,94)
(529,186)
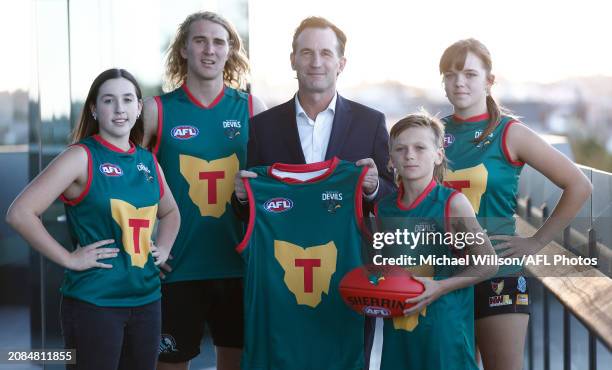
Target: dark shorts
(501,296)
(187,306)
(111,337)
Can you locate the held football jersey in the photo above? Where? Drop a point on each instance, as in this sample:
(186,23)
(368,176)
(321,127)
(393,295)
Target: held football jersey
(484,173)
(200,150)
(441,336)
(119,202)
(304,235)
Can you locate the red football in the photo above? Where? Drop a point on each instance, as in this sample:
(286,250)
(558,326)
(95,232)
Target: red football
(379,291)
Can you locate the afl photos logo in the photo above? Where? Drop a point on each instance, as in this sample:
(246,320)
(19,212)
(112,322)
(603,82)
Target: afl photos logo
(278,205)
(111,170)
(184,132)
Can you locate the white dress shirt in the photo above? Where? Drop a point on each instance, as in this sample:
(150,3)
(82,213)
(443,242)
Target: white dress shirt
(314,135)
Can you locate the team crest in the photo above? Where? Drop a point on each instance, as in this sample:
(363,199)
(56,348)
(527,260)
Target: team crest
(484,142)
(477,134)
(184,132)
(231,132)
(278,205)
(111,170)
(497,286)
(231,128)
(145,171)
(332,200)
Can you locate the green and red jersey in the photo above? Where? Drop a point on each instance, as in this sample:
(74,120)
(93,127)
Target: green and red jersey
(304,235)
(201,148)
(119,202)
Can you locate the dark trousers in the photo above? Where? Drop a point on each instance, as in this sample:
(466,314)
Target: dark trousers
(111,338)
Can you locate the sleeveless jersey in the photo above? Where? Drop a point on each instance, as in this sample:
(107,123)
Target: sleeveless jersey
(441,336)
(303,237)
(484,173)
(201,149)
(119,202)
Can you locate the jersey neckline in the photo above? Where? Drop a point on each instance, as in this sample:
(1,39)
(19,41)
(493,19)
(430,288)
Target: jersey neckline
(418,200)
(114,148)
(198,103)
(329,165)
(473,119)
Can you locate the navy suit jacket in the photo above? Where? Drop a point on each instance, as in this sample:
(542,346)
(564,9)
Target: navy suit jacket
(357,132)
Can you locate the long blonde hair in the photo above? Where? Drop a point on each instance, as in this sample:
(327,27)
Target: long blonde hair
(236,70)
(423,119)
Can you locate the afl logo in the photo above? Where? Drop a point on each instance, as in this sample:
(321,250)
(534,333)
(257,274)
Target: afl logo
(278,205)
(184,132)
(376,311)
(111,170)
(449,139)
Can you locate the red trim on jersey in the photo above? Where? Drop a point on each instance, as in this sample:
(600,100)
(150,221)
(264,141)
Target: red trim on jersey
(359,203)
(247,236)
(376,209)
(160,123)
(198,103)
(447,208)
(418,200)
(112,147)
(160,180)
(250,106)
(505,146)
(330,165)
(480,117)
(77,200)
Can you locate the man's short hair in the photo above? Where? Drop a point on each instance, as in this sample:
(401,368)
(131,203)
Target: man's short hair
(320,22)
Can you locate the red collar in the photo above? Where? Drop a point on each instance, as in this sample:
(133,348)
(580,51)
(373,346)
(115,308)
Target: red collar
(114,148)
(418,200)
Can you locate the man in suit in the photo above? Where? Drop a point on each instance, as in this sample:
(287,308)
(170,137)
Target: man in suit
(318,124)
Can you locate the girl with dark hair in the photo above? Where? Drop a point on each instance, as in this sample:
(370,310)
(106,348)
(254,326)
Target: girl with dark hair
(113,192)
(487,149)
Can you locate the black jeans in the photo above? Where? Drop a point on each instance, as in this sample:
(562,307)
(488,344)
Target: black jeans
(111,338)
